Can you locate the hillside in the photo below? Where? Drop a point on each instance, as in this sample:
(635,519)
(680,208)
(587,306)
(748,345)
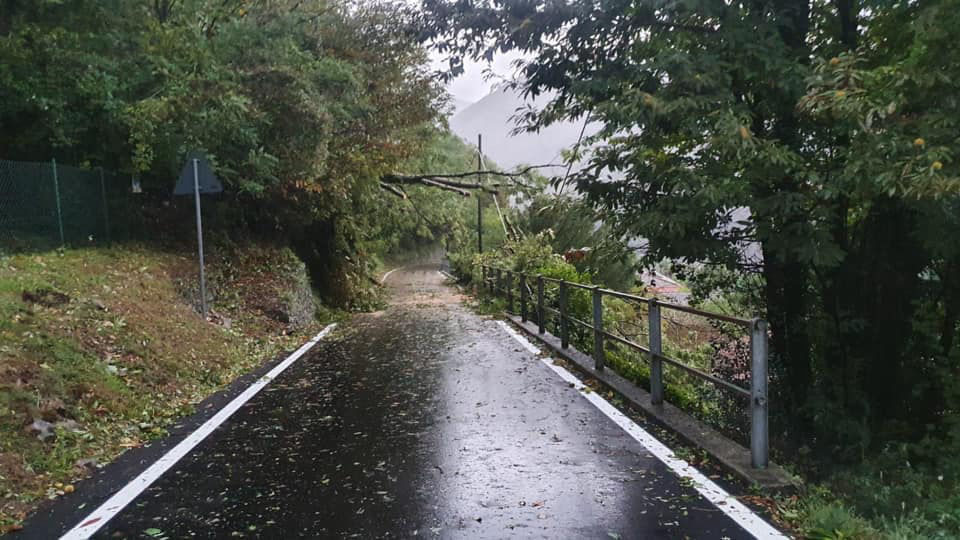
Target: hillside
(492,117)
(102,349)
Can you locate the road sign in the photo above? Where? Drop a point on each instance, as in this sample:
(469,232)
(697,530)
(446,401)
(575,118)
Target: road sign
(197,178)
(205,179)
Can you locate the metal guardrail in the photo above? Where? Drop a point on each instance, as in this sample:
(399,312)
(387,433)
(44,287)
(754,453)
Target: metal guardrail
(504,281)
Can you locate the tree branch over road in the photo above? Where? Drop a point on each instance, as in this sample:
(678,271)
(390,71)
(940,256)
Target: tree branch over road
(452,181)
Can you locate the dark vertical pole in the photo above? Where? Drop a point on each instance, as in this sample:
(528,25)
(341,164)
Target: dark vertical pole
(656,350)
(56,193)
(759,442)
(196,199)
(509,288)
(479,198)
(564,334)
(106,212)
(598,355)
(523,297)
(540,322)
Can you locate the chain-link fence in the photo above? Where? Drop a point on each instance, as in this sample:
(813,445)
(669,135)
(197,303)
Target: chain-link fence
(47,205)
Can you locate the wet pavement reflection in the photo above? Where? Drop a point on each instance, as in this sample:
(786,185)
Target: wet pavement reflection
(423,420)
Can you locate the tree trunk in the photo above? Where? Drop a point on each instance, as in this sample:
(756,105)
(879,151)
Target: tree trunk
(786,292)
(889,261)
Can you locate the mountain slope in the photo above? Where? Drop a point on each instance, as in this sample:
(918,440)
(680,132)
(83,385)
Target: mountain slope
(492,117)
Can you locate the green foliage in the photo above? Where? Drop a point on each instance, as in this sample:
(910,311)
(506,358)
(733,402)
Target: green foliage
(723,290)
(910,482)
(571,224)
(302,106)
(820,135)
(429,216)
(833,521)
(531,255)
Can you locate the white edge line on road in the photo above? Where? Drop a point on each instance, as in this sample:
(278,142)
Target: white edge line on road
(725,502)
(385,276)
(99,517)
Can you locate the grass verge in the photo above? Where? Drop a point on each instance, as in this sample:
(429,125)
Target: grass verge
(101,350)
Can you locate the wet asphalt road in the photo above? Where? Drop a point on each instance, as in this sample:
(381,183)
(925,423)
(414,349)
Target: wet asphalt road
(423,420)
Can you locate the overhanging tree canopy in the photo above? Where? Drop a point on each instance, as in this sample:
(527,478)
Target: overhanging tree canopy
(831,120)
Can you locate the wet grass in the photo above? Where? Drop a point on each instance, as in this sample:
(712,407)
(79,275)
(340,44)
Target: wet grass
(102,347)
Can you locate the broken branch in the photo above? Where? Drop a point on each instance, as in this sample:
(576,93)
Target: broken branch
(393,190)
(443,185)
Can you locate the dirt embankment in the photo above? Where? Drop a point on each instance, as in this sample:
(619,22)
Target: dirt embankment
(100,349)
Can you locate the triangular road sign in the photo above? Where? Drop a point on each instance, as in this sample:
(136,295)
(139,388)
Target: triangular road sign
(207,180)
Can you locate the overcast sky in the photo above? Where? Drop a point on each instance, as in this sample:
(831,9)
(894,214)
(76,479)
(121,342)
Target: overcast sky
(472,85)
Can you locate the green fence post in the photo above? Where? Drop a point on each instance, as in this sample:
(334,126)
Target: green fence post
(56,192)
(541,325)
(599,358)
(564,327)
(523,297)
(656,352)
(106,213)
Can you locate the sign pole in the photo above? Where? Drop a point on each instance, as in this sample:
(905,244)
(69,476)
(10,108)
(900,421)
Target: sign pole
(479,206)
(196,198)
(197,177)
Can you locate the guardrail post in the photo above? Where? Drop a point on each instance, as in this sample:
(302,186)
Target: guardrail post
(564,330)
(656,350)
(541,327)
(598,355)
(523,297)
(509,291)
(483,276)
(759,443)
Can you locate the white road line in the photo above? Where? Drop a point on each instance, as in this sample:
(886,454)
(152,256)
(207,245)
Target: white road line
(99,517)
(725,502)
(385,276)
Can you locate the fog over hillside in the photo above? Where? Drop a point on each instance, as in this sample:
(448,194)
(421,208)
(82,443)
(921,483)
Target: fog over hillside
(492,117)
(457,105)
